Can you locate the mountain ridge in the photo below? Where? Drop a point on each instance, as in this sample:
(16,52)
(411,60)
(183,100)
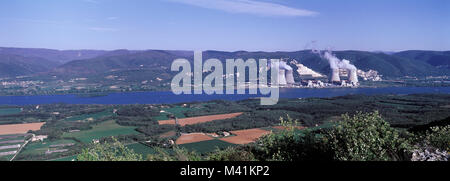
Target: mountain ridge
(405,63)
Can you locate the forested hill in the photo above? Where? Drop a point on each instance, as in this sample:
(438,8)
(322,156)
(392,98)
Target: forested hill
(16,65)
(123,60)
(92,62)
(30,61)
(435,58)
(58,56)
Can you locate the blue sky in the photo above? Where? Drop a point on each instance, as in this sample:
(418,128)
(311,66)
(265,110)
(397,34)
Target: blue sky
(229,25)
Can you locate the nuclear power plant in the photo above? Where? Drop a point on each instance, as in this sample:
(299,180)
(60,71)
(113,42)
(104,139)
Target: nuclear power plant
(351,74)
(335,76)
(285,73)
(353,77)
(342,74)
(341,67)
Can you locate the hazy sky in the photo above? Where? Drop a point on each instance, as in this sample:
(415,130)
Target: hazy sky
(254,25)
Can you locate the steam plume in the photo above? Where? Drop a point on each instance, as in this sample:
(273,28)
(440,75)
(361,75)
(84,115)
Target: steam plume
(335,63)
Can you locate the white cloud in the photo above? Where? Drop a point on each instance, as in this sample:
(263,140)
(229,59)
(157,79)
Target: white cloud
(103,29)
(249,7)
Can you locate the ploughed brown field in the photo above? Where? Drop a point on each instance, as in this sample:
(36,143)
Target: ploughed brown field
(192,138)
(168,134)
(19,128)
(200,119)
(245,136)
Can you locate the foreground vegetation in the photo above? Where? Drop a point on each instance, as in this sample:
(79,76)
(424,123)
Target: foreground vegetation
(361,137)
(136,126)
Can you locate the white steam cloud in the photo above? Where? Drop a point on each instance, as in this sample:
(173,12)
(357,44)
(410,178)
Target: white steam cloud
(336,63)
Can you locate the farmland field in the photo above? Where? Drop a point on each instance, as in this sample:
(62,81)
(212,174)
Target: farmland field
(200,119)
(90,116)
(206,146)
(68,158)
(245,136)
(11,144)
(102,130)
(19,128)
(168,134)
(6,158)
(7,111)
(39,148)
(177,111)
(9,138)
(192,138)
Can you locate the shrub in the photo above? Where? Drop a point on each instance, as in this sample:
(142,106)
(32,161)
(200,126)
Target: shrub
(439,137)
(367,137)
(231,154)
(182,154)
(114,151)
(289,145)
(179,154)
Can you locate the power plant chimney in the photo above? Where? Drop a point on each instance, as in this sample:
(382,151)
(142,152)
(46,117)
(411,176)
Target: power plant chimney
(335,77)
(290,76)
(285,74)
(353,77)
(282,77)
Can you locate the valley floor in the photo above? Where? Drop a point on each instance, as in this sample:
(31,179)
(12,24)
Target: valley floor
(69,128)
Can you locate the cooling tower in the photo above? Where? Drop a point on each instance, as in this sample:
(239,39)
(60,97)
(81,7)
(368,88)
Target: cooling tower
(353,77)
(290,76)
(285,73)
(282,77)
(335,75)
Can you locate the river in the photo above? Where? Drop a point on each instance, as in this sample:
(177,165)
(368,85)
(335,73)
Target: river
(169,97)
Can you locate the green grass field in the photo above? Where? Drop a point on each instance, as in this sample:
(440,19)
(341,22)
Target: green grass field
(93,116)
(22,139)
(67,158)
(102,130)
(7,111)
(136,147)
(39,148)
(177,111)
(162,116)
(6,158)
(206,146)
(9,149)
(6,144)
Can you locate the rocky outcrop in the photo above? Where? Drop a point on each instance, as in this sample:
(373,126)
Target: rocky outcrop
(427,153)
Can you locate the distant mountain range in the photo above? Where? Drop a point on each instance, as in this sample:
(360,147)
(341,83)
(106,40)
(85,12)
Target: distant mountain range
(16,65)
(25,61)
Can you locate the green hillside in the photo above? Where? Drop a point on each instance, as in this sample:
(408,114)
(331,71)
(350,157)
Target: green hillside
(435,58)
(153,64)
(16,65)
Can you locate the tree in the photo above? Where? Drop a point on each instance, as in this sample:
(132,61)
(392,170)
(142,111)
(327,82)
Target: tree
(231,154)
(293,145)
(367,137)
(179,154)
(114,151)
(439,137)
